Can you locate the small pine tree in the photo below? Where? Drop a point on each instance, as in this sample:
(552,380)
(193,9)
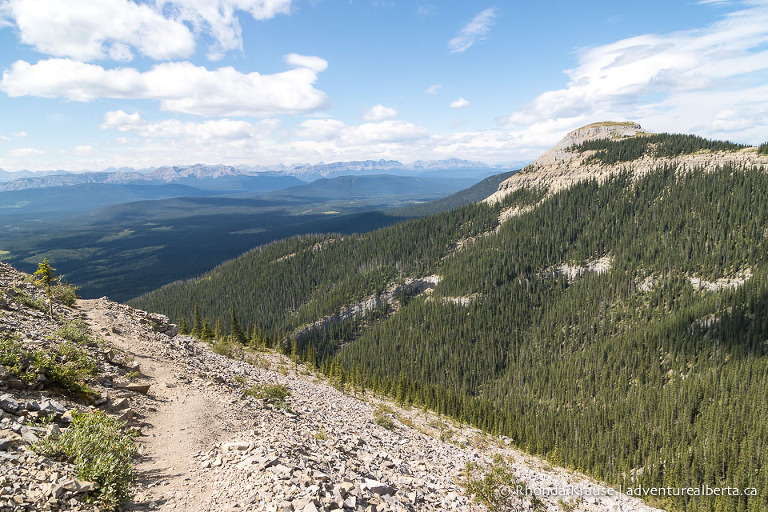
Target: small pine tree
(218,332)
(256,341)
(183,328)
(206,334)
(197,324)
(46,276)
(237,331)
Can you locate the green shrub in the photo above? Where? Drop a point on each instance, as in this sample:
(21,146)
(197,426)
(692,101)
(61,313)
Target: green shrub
(498,488)
(101,452)
(12,356)
(66,294)
(762,149)
(76,331)
(66,365)
(227,348)
(384,421)
(274,394)
(26,299)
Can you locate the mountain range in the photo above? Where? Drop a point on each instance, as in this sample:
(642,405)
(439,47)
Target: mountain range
(449,168)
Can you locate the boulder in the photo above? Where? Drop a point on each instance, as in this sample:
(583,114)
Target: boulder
(136,388)
(8,404)
(379,488)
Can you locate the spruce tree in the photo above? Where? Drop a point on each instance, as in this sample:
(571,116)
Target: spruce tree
(206,334)
(46,276)
(237,331)
(197,324)
(218,332)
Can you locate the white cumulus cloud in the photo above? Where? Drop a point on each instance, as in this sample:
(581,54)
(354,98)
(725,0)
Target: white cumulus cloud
(313,63)
(379,112)
(473,32)
(460,103)
(97,29)
(90,30)
(179,86)
(382,132)
(122,120)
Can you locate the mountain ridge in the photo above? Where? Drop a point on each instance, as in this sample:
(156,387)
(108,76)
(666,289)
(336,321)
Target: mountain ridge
(563,165)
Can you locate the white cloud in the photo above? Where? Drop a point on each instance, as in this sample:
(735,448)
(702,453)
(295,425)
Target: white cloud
(379,112)
(460,103)
(22,133)
(172,128)
(95,29)
(715,3)
(473,32)
(315,64)
(708,80)
(4,137)
(25,152)
(433,89)
(383,132)
(219,18)
(89,30)
(319,129)
(179,86)
(84,151)
(121,120)
(427,10)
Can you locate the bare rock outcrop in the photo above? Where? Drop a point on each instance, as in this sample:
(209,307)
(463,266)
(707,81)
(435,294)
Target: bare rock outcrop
(562,167)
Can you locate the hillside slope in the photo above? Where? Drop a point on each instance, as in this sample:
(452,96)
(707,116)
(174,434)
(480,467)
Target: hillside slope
(600,319)
(214,433)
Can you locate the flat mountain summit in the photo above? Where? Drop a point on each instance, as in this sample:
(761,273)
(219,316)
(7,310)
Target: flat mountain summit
(569,162)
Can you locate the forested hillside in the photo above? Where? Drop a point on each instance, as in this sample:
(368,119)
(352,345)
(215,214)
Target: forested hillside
(618,328)
(657,145)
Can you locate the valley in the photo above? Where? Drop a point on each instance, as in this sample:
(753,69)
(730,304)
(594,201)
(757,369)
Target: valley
(122,237)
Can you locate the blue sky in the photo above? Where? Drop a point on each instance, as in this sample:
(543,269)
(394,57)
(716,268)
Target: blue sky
(92,84)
